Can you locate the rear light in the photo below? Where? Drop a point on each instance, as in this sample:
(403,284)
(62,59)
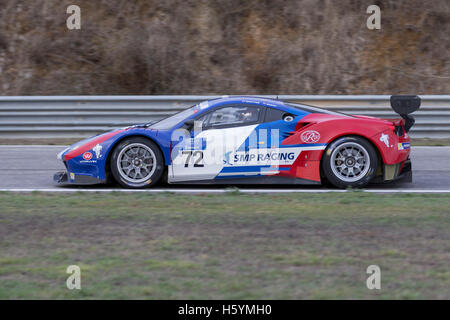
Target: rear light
(399,131)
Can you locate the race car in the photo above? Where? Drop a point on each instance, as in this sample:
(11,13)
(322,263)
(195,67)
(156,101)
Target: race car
(248,140)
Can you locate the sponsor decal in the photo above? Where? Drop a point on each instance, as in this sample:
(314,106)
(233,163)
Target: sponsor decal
(404,146)
(227,158)
(274,156)
(203,105)
(72,176)
(87,156)
(385,139)
(98,149)
(285,156)
(310,136)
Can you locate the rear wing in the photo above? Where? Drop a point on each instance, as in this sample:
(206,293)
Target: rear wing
(404,106)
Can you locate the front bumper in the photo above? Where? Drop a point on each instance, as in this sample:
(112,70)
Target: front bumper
(63,178)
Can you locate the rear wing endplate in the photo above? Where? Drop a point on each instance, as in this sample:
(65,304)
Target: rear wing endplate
(404,106)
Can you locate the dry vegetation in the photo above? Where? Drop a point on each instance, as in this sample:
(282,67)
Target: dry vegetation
(224,47)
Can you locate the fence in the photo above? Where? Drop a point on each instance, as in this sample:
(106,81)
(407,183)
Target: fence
(82,116)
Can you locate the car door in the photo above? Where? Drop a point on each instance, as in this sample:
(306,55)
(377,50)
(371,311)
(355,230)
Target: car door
(223,131)
(262,153)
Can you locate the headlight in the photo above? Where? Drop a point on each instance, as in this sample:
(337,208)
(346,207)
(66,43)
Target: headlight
(59,156)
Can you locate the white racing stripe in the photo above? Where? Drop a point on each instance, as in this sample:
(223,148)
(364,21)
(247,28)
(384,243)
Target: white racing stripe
(67,190)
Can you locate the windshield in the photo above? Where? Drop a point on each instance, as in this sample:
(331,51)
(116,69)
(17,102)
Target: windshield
(170,122)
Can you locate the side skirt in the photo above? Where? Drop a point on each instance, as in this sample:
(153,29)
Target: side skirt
(253,180)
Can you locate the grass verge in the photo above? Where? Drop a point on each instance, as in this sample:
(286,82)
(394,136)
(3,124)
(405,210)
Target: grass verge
(232,246)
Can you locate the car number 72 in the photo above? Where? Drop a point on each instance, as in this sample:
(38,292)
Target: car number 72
(190,154)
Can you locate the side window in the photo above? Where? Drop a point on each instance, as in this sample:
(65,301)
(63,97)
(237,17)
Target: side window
(275,115)
(231,116)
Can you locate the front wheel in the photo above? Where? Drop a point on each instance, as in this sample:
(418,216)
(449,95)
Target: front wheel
(350,162)
(137,163)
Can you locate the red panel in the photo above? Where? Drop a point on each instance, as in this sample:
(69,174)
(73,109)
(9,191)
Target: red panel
(309,170)
(90,144)
(331,127)
(310,155)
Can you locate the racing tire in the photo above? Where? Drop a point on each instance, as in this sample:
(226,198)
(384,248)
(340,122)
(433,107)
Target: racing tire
(137,163)
(350,162)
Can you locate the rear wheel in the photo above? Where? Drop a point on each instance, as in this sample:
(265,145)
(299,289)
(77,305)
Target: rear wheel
(350,162)
(137,163)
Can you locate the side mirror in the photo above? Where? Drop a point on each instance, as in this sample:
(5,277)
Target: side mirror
(189,124)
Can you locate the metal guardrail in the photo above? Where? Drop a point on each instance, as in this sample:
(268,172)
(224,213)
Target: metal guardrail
(82,116)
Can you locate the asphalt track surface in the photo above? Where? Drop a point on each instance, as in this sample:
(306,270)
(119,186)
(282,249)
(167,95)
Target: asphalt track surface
(31,168)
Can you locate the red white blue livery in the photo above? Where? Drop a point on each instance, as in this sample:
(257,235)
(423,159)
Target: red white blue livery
(248,140)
